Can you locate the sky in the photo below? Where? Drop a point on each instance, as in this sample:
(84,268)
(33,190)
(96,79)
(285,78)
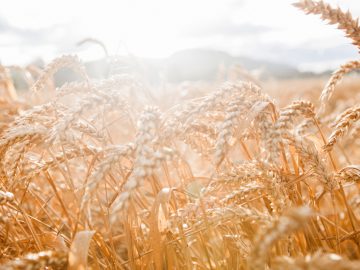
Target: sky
(271,30)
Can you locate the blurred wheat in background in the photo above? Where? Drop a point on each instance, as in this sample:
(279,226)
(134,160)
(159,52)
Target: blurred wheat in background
(115,173)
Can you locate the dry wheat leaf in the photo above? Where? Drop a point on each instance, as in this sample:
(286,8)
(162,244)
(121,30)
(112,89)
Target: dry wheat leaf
(79,250)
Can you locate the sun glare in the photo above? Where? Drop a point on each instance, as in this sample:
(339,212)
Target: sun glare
(148,28)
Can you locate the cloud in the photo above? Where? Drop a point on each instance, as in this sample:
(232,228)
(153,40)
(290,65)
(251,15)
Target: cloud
(55,35)
(22,45)
(302,56)
(5,26)
(226,28)
(302,53)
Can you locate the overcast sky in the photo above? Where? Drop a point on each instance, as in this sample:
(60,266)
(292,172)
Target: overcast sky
(263,29)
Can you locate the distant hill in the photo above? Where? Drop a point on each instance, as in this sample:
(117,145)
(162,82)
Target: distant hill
(204,64)
(195,64)
(185,65)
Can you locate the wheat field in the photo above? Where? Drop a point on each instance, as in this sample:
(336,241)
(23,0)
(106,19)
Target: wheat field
(105,174)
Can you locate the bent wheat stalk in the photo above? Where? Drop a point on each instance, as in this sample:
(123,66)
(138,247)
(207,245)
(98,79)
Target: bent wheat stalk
(346,120)
(344,20)
(336,77)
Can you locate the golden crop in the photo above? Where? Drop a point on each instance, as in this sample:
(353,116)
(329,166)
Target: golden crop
(105,175)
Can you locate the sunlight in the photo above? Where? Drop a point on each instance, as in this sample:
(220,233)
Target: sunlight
(151,29)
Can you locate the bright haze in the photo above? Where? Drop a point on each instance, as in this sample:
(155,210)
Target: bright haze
(260,29)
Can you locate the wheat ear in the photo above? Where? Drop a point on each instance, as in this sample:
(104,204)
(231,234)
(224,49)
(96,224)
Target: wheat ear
(344,20)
